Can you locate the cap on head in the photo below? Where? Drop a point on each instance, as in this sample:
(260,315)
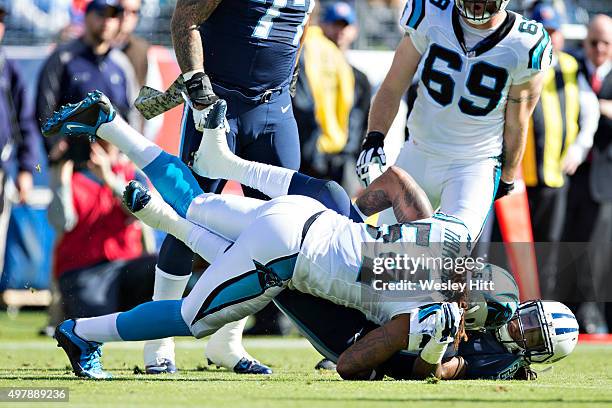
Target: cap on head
(547,15)
(4,6)
(339,11)
(99,5)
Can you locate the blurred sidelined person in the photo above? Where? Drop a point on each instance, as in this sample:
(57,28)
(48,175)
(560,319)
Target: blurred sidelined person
(86,64)
(18,138)
(325,93)
(559,138)
(589,209)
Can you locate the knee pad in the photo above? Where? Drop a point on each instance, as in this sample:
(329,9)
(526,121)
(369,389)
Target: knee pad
(174,181)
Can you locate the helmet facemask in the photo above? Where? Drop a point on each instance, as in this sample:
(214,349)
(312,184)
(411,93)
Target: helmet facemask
(480,11)
(532,337)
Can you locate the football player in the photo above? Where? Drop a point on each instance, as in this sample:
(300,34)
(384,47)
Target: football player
(480,72)
(539,332)
(259,248)
(243,51)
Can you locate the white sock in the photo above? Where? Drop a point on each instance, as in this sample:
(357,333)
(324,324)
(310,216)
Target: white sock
(207,244)
(273,181)
(138,148)
(100,329)
(159,215)
(167,287)
(224,348)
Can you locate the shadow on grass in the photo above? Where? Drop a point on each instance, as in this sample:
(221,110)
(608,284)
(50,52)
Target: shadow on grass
(440,399)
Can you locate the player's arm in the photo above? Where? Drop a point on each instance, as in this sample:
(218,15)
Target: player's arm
(187,17)
(452,369)
(395,188)
(387,100)
(359,362)
(187,42)
(522,100)
(385,106)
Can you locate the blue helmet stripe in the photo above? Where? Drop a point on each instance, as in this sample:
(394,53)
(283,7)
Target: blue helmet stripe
(565,330)
(562,315)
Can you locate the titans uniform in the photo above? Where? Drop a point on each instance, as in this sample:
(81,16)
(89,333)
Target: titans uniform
(250,49)
(457,123)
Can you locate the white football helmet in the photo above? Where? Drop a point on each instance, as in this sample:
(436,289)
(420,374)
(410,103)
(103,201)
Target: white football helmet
(491,308)
(548,331)
(480,11)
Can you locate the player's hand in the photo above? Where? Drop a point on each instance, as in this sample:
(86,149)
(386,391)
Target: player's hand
(504,189)
(372,159)
(448,319)
(200,91)
(294,81)
(525,374)
(571,161)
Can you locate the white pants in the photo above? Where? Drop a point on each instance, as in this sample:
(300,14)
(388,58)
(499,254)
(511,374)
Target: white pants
(462,188)
(257,267)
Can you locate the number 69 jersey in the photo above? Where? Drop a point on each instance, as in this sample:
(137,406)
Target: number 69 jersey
(460,106)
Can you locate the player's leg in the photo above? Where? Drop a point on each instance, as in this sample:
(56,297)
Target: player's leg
(239,282)
(96,115)
(468,192)
(215,158)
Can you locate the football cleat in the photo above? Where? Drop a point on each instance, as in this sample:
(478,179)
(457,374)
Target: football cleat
(246,366)
(326,364)
(163,366)
(136,196)
(84,355)
(82,118)
(216,117)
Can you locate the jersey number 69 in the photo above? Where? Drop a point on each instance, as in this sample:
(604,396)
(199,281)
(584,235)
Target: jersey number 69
(444,91)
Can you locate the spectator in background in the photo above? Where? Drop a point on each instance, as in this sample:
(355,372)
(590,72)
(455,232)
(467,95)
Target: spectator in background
(86,64)
(144,64)
(135,47)
(18,137)
(325,95)
(590,186)
(559,138)
(338,28)
(98,259)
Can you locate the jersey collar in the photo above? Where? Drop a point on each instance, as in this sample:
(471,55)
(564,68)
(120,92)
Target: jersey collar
(487,43)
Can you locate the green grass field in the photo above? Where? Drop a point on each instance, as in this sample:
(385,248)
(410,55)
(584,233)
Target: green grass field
(583,380)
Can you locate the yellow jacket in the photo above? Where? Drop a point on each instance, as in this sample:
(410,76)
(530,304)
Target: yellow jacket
(332,84)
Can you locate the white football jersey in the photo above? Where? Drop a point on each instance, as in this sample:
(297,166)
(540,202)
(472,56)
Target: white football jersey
(332,258)
(461,98)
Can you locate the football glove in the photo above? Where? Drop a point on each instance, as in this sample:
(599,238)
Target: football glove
(372,159)
(201,97)
(200,90)
(503,189)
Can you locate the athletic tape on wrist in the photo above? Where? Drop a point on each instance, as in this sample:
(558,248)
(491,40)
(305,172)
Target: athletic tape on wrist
(433,352)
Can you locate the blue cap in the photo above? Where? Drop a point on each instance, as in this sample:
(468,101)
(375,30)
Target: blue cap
(339,11)
(547,15)
(4,6)
(98,5)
